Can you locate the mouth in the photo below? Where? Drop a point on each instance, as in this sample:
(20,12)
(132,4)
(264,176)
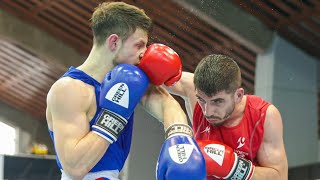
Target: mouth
(213,120)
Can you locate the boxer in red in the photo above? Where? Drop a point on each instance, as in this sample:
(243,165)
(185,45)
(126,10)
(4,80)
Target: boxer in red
(240,136)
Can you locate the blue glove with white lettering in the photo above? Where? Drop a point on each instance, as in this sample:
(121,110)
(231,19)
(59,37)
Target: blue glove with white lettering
(180,157)
(121,91)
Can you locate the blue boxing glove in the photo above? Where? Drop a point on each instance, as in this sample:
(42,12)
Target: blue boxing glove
(121,90)
(180,157)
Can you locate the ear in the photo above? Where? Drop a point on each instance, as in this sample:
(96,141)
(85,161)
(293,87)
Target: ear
(239,95)
(113,42)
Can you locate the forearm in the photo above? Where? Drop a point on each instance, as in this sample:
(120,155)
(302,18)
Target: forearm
(161,105)
(79,157)
(261,173)
(173,113)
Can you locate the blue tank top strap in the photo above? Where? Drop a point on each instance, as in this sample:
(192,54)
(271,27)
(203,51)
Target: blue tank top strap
(82,76)
(78,74)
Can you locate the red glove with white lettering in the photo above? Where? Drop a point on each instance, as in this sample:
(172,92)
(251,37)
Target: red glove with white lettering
(161,64)
(222,162)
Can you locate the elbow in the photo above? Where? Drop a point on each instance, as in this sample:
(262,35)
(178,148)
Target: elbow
(72,165)
(75,173)
(74,169)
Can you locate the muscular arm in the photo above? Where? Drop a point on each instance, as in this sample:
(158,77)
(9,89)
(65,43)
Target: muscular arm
(271,155)
(68,103)
(161,105)
(185,89)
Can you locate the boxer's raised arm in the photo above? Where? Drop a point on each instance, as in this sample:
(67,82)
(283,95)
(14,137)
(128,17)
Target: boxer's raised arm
(163,66)
(161,105)
(180,157)
(186,90)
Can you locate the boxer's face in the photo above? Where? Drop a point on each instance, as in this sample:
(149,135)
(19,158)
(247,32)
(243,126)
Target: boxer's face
(133,48)
(218,108)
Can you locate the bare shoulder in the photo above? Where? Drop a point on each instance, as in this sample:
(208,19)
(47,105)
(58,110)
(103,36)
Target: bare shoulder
(68,88)
(183,86)
(273,122)
(273,113)
(188,75)
(273,127)
(67,96)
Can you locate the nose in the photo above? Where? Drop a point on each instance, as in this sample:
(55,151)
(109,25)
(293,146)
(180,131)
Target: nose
(141,54)
(207,110)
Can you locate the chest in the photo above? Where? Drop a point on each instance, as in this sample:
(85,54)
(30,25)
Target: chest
(237,137)
(244,138)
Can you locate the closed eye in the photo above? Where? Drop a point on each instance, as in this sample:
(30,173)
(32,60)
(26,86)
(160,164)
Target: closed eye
(141,44)
(217,101)
(201,100)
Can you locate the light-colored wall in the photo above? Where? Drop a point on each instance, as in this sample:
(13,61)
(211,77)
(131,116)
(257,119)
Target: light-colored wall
(38,41)
(287,77)
(148,137)
(225,16)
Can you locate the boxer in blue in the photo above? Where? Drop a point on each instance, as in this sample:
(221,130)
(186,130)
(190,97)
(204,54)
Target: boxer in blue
(90,108)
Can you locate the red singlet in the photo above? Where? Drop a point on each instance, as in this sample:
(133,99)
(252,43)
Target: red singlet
(245,138)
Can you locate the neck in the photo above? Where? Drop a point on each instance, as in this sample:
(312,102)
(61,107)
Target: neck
(237,114)
(97,64)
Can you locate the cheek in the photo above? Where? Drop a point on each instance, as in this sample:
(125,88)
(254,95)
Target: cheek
(220,111)
(126,61)
(229,109)
(124,57)
(131,54)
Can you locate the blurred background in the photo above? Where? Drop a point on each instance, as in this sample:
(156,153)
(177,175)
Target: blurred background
(275,43)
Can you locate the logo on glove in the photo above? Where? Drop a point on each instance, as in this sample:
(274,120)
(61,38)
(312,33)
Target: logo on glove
(180,153)
(216,152)
(111,122)
(242,169)
(119,94)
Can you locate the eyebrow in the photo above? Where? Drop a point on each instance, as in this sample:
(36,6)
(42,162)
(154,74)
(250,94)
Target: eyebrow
(216,99)
(141,42)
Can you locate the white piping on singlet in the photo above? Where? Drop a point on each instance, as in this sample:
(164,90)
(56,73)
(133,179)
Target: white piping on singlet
(253,133)
(110,174)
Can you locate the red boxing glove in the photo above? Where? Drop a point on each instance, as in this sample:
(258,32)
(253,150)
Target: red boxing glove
(161,64)
(222,162)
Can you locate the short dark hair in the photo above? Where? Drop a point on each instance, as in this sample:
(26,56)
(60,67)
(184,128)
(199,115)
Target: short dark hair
(118,18)
(216,73)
